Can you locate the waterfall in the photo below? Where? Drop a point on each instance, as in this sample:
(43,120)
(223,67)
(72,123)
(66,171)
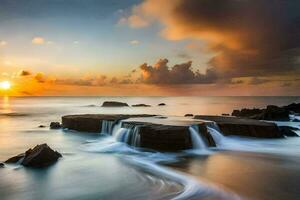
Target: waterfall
(121,135)
(107,127)
(215,132)
(217,136)
(129,136)
(197,140)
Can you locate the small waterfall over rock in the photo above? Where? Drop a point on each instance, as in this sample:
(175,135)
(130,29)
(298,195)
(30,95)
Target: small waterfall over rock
(122,134)
(107,127)
(215,132)
(128,135)
(197,140)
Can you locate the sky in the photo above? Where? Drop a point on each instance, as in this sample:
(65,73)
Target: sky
(150,47)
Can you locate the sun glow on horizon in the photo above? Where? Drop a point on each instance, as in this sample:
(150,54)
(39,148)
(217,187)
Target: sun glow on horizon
(5,85)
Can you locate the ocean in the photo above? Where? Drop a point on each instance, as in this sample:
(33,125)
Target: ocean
(94,166)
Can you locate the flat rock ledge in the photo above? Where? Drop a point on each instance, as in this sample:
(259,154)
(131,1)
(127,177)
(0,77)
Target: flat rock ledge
(40,156)
(92,123)
(153,133)
(244,127)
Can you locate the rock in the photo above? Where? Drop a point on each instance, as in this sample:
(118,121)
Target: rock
(294,107)
(188,115)
(245,112)
(162,104)
(42,126)
(141,105)
(92,123)
(55,125)
(40,156)
(244,127)
(114,104)
(225,114)
(288,131)
(162,137)
(274,113)
(1,165)
(161,117)
(15,159)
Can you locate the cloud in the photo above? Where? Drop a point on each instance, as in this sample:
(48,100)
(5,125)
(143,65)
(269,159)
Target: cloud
(3,43)
(134,42)
(24,73)
(134,21)
(182,73)
(247,37)
(40,77)
(38,41)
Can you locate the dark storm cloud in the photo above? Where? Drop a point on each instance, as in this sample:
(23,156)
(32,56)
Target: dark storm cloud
(249,37)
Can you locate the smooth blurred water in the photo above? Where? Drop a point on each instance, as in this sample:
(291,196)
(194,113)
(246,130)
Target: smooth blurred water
(97,167)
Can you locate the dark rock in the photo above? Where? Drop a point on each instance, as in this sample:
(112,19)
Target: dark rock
(288,131)
(114,104)
(188,115)
(296,120)
(244,127)
(1,165)
(92,123)
(55,125)
(42,126)
(15,159)
(40,156)
(245,112)
(161,117)
(294,107)
(163,137)
(225,114)
(141,105)
(161,104)
(274,113)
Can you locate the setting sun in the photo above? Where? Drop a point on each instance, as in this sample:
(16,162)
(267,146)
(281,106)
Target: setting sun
(5,85)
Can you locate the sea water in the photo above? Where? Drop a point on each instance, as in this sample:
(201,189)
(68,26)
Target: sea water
(96,166)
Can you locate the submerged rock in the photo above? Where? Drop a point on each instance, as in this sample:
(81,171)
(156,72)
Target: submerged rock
(162,104)
(40,156)
(1,165)
(55,125)
(244,127)
(188,115)
(42,126)
(114,104)
(141,105)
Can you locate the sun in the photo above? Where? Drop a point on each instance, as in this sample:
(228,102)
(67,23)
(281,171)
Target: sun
(5,85)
